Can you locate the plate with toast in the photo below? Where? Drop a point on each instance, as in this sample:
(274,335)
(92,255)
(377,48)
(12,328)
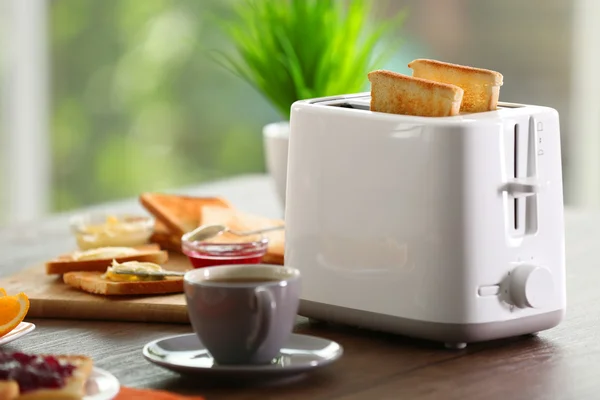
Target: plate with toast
(53,376)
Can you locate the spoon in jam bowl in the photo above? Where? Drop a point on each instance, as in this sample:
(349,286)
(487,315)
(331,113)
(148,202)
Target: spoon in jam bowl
(205,232)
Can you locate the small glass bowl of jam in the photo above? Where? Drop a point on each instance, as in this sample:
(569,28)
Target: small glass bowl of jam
(225,249)
(105,229)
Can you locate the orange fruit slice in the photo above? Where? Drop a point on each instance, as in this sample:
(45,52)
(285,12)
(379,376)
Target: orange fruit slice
(13,310)
(2,292)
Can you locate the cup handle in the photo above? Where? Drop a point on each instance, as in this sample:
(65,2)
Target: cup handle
(265,304)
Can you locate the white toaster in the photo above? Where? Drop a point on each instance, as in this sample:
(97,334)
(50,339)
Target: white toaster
(449,229)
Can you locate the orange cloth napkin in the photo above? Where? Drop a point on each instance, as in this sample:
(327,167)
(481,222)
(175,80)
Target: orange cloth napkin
(127,393)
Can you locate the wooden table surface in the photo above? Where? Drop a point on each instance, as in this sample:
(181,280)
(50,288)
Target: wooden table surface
(561,363)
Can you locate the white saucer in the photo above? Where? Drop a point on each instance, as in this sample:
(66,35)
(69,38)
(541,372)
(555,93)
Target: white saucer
(22,329)
(186,354)
(101,385)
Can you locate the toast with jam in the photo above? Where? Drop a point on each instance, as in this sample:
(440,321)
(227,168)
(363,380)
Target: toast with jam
(43,377)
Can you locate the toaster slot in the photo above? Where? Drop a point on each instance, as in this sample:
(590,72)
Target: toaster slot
(531,202)
(519,171)
(355,105)
(522,188)
(516,175)
(359,103)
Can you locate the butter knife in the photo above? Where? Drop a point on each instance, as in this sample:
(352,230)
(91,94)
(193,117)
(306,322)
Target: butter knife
(149,273)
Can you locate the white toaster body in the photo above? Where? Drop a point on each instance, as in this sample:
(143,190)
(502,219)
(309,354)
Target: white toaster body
(449,229)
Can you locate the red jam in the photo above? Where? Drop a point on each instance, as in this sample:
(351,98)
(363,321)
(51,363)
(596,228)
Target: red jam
(207,254)
(33,372)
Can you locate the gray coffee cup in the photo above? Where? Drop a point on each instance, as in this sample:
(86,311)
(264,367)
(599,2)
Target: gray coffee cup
(243,314)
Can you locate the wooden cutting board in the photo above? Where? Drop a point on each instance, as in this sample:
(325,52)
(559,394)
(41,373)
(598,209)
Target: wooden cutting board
(50,298)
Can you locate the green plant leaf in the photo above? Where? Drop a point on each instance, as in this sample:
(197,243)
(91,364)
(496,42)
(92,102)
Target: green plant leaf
(295,49)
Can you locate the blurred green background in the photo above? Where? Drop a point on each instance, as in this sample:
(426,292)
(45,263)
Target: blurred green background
(138,105)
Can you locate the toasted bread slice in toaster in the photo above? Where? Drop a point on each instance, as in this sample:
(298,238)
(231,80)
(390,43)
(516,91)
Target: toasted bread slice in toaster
(481,86)
(93,282)
(180,214)
(76,262)
(395,93)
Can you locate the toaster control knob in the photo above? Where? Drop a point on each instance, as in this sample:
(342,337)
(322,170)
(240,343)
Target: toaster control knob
(531,286)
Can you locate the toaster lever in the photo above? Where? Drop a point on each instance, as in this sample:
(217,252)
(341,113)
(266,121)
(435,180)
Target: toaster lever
(522,187)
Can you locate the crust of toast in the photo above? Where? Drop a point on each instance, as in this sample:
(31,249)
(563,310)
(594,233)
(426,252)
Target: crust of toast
(273,258)
(165,239)
(92,282)
(167,242)
(65,263)
(9,390)
(180,214)
(242,221)
(74,388)
(396,93)
(481,86)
